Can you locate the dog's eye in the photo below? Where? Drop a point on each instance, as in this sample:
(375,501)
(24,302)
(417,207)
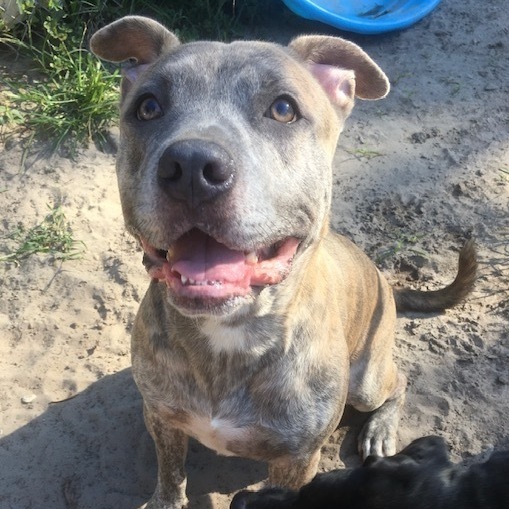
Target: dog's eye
(149,109)
(283,110)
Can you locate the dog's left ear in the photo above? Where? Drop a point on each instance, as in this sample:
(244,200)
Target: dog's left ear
(343,69)
(137,40)
(428,450)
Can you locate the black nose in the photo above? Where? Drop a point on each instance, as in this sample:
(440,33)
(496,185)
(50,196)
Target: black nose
(239,500)
(195,171)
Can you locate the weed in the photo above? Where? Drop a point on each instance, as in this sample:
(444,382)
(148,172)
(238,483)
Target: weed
(76,104)
(452,83)
(395,81)
(402,243)
(74,101)
(363,152)
(52,236)
(9,115)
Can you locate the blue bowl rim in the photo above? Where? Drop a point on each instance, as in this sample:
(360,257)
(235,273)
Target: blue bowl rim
(310,10)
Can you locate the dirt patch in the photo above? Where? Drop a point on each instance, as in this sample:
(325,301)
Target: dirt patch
(415,175)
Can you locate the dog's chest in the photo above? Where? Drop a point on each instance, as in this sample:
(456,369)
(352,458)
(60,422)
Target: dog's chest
(225,435)
(218,434)
(223,338)
(227,339)
(233,403)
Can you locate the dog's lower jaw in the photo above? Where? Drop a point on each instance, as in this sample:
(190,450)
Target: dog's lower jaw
(218,308)
(231,311)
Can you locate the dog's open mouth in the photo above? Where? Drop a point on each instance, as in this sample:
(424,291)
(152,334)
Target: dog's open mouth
(198,266)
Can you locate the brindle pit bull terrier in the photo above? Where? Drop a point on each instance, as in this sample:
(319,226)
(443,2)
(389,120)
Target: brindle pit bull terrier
(260,324)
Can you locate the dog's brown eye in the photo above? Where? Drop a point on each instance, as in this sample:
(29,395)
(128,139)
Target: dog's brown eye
(283,111)
(149,109)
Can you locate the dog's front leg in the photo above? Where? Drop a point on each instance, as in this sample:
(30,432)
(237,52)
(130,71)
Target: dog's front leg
(378,436)
(293,472)
(171,449)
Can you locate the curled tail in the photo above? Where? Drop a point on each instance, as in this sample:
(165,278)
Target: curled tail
(438,300)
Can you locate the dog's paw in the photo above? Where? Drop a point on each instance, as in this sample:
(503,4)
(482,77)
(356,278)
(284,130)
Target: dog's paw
(378,437)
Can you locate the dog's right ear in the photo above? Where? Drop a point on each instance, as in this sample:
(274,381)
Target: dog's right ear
(137,40)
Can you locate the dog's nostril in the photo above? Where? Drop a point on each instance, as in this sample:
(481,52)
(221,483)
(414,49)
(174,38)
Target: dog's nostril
(170,171)
(215,173)
(239,501)
(176,174)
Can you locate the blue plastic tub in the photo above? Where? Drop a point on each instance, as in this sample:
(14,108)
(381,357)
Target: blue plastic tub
(364,16)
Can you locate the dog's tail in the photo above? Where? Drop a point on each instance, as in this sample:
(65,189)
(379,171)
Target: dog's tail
(438,300)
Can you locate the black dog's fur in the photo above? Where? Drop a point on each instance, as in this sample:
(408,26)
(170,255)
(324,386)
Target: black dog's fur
(419,477)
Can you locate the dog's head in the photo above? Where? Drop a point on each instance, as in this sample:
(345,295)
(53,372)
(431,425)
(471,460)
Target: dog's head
(224,164)
(398,481)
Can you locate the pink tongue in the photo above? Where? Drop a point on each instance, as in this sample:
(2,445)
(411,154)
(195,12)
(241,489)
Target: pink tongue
(198,256)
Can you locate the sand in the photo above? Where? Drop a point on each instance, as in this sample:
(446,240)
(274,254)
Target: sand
(415,175)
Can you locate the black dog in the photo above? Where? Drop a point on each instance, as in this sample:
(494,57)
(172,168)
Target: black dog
(419,477)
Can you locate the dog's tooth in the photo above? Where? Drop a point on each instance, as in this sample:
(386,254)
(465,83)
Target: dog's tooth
(188,281)
(251,257)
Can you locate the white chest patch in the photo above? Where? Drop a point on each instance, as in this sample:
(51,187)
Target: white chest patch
(216,433)
(223,338)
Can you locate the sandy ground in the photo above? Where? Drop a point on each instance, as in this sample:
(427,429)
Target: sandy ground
(415,175)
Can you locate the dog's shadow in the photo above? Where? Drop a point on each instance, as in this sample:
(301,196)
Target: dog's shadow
(94,451)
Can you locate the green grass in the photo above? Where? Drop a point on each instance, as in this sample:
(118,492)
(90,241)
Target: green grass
(75,102)
(402,243)
(53,236)
(74,99)
(364,152)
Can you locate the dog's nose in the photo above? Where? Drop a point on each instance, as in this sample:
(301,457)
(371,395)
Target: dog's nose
(239,501)
(195,171)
